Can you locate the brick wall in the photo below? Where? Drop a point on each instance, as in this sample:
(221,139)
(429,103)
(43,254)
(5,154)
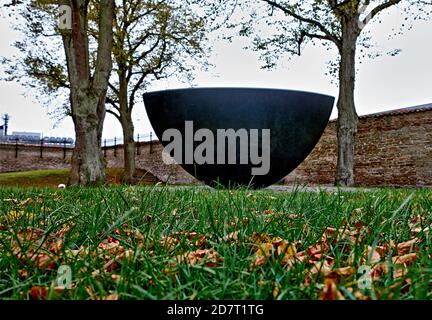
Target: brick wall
(149,158)
(28,158)
(391,149)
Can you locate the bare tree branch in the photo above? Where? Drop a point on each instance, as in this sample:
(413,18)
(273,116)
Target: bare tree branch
(114,114)
(380,8)
(310,21)
(103,69)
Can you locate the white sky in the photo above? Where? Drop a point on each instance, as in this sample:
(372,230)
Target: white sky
(384,83)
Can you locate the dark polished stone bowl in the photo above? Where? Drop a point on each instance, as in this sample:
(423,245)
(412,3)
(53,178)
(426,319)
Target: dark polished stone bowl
(296,121)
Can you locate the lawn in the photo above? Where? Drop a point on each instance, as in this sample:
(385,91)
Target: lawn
(146,242)
(54,177)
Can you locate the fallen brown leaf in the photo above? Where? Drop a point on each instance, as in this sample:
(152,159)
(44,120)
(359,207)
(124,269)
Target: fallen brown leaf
(37,247)
(90,293)
(233,236)
(23,273)
(38,293)
(263,253)
(330,291)
(372,255)
(269,212)
(407,246)
(276,290)
(319,248)
(113,296)
(321,267)
(346,271)
(379,270)
(406,259)
(284,249)
(116,277)
(261,238)
(193,238)
(209,257)
(399,271)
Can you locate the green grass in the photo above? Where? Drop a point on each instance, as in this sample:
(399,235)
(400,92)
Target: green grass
(48,178)
(35,178)
(151,271)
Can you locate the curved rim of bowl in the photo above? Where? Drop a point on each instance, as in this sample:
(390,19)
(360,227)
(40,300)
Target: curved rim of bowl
(236,88)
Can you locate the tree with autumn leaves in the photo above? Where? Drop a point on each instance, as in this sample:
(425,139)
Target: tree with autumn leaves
(337,23)
(83,71)
(145,41)
(152,40)
(88,89)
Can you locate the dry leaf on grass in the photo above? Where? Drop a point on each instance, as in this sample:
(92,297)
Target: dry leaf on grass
(348,235)
(418,225)
(345,271)
(400,264)
(116,277)
(109,251)
(316,251)
(285,250)
(38,248)
(21,203)
(276,249)
(331,291)
(371,255)
(263,253)
(261,238)
(379,270)
(192,238)
(269,212)
(321,259)
(208,257)
(402,284)
(233,236)
(169,243)
(112,296)
(399,271)
(129,232)
(38,293)
(407,246)
(406,259)
(41,293)
(358,294)
(321,267)
(23,273)
(276,290)
(294,216)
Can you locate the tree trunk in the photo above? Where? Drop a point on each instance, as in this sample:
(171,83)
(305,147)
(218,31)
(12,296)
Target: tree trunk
(88,92)
(125,111)
(88,164)
(347,116)
(129,148)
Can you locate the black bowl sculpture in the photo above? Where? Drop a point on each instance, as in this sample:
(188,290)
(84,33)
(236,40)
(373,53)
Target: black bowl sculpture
(238,136)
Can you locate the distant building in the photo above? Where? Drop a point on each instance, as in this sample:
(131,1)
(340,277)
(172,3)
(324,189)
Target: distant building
(2,131)
(27,135)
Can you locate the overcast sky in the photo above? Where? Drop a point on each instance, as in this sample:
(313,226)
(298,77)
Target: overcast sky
(383,83)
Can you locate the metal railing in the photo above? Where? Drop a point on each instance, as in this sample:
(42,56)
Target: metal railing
(68,144)
(43,144)
(115,142)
